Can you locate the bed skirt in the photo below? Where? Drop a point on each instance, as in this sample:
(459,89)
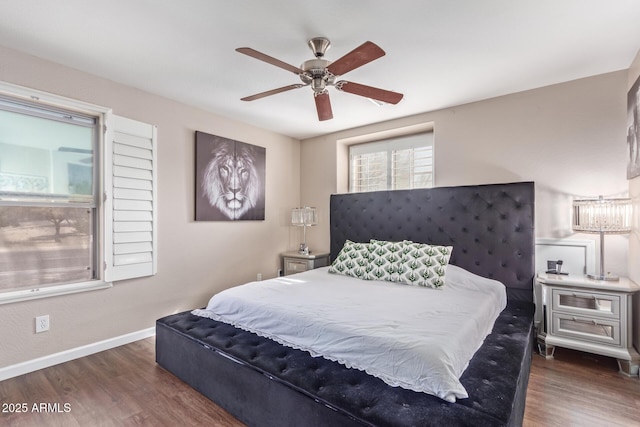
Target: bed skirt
(263,383)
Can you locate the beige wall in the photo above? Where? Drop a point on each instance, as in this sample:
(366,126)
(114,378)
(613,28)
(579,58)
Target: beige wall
(569,138)
(195,259)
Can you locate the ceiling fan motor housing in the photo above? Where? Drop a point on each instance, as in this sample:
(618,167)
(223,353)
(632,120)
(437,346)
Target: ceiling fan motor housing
(316,74)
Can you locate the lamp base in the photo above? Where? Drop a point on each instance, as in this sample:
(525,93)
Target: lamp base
(304,249)
(608,277)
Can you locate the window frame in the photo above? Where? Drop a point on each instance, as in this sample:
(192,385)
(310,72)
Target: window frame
(400,141)
(56,101)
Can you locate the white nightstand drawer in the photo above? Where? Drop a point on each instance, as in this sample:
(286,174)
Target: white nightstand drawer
(292,265)
(586,328)
(586,303)
(295,262)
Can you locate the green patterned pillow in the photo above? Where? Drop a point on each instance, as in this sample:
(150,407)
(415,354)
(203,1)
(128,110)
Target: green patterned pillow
(424,265)
(353,260)
(385,260)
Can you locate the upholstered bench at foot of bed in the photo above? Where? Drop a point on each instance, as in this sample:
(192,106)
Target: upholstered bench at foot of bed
(255,378)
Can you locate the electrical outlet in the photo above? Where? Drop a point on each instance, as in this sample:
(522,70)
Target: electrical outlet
(42,323)
(259,276)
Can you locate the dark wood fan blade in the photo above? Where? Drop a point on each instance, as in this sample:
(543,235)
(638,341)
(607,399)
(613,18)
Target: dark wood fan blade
(369,92)
(323,105)
(268,59)
(271,92)
(359,56)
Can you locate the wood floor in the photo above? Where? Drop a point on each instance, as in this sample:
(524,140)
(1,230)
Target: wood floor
(124,387)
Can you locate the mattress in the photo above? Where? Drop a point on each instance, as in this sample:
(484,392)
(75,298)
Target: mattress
(413,337)
(259,379)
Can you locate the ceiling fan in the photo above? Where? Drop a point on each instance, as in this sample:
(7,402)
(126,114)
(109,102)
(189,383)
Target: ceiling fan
(320,73)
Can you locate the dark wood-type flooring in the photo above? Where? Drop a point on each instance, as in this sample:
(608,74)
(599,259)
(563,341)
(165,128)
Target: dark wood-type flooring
(124,387)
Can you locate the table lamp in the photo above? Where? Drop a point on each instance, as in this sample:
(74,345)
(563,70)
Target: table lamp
(304,217)
(603,216)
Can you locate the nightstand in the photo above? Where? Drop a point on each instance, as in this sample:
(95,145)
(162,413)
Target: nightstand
(589,315)
(295,262)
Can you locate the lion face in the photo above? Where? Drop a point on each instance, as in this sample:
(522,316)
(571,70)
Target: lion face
(231,182)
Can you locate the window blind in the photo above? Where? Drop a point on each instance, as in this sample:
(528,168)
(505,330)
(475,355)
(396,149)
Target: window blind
(400,163)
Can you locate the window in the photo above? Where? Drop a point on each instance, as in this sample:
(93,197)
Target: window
(48,195)
(399,163)
(77,205)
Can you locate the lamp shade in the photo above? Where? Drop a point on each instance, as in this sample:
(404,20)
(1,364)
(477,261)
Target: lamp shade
(305,216)
(608,216)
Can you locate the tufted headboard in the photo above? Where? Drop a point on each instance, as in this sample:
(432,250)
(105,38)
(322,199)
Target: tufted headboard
(489,226)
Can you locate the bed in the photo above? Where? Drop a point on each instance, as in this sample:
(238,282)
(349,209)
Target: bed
(264,383)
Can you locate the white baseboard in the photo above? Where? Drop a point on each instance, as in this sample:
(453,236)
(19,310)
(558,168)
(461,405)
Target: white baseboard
(74,353)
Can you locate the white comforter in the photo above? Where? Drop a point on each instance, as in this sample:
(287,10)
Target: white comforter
(413,337)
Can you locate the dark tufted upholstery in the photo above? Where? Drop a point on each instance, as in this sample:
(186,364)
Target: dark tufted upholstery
(489,226)
(347,397)
(265,384)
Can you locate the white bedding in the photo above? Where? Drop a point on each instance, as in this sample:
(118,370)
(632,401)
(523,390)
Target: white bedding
(413,337)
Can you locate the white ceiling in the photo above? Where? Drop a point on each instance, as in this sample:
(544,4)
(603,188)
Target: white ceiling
(440,53)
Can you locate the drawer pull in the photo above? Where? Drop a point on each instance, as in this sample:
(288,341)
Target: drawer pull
(583,296)
(603,330)
(589,321)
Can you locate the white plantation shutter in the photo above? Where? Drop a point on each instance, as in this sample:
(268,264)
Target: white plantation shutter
(412,167)
(398,163)
(369,170)
(130,199)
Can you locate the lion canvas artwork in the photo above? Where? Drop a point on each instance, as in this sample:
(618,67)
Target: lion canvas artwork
(230,179)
